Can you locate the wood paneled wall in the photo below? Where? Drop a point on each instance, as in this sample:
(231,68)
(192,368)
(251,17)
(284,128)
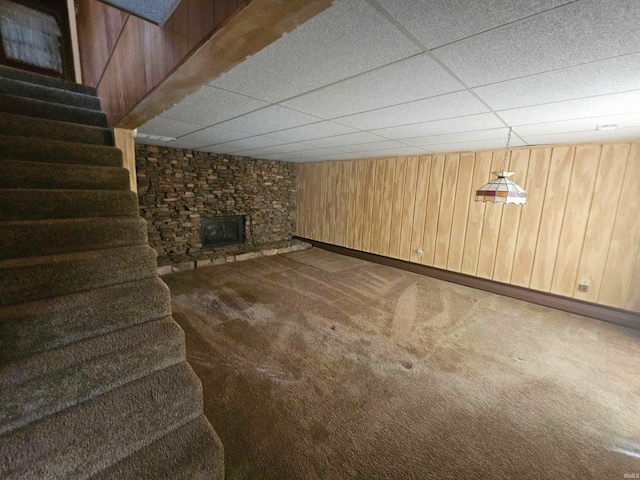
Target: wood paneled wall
(125,57)
(580,219)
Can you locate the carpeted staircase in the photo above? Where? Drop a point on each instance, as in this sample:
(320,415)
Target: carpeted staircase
(93,377)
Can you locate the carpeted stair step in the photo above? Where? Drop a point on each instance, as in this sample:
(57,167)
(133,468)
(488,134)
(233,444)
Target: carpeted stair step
(53,111)
(25,174)
(38,326)
(40,128)
(27,204)
(192,451)
(83,440)
(49,94)
(56,151)
(51,323)
(44,80)
(84,370)
(69,235)
(28,279)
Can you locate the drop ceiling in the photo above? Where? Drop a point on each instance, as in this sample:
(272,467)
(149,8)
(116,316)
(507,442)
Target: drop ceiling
(373,78)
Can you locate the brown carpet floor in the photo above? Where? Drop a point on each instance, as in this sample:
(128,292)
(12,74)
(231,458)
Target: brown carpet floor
(319,366)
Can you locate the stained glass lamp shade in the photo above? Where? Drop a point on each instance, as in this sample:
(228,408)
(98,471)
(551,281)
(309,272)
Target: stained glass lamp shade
(502,190)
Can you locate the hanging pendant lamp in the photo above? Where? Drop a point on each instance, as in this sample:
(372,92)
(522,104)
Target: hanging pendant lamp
(501,189)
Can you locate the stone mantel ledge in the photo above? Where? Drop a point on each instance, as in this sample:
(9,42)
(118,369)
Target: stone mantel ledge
(192,265)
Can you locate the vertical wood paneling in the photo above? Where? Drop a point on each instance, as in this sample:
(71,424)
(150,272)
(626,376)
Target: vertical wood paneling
(124,141)
(445,215)
(625,241)
(510,221)
(371,168)
(419,211)
(576,215)
(604,207)
(378,200)
(481,174)
(387,204)
(580,219)
(408,207)
(396,209)
(353,200)
(433,209)
(552,216)
(361,204)
(464,188)
(527,241)
(490,227)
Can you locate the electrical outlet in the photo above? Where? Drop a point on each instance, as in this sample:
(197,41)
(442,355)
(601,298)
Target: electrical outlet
(419,252)
(584,285)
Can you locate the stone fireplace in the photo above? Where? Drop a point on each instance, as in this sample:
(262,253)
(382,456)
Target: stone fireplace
(223,230)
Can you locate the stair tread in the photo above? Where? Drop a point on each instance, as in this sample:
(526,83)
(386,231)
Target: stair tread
(17,125)
(52,111)
(69,235)
(43,150)
(45,175)
(33,278)
(83,440)
(45,80)
(51,94)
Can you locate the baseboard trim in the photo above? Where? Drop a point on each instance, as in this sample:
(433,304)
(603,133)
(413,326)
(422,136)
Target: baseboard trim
(617,316)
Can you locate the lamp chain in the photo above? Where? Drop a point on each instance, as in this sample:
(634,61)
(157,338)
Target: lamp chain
(506,150)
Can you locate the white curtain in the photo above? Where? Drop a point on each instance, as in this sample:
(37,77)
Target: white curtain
(30,36)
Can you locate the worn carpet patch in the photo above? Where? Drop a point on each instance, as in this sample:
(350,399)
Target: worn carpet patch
(320,366)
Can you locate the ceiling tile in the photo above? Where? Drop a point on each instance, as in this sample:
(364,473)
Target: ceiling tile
(268,120)
(367,147)
(578,125)
(441,22)
(451,125)
(348,38)
(393,152)
(348,139)
(614,104)
(420,77)
(250,143)
(167,127)
(210,136)
(614,75)
(576,33)
(476,145)
(285,148)
(211,105)
(478,135)
(445,106)
(632,133)
(309,132)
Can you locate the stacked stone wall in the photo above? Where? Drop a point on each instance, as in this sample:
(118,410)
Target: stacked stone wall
(177,188)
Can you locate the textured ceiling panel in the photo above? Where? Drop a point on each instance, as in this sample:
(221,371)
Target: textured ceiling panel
(210,136)
(309,132)
(632,133)
(420,77)
(577,33)
(348,139)
(451,125)
(618,74)
(209,106)
(359,77)
(269,119)
(445,106)
(492,134)
(578,125)
(476,145)
(167,127)
(345,40)
(451,20)
(614,104)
